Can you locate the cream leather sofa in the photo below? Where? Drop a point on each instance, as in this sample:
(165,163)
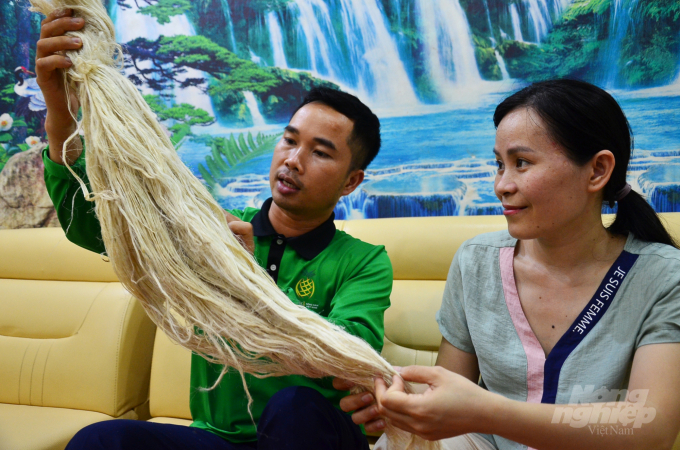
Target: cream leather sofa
(421,250)
(75,347)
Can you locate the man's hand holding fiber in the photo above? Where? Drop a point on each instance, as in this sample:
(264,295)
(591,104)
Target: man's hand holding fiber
(242,230)
(362,406)
(50,61)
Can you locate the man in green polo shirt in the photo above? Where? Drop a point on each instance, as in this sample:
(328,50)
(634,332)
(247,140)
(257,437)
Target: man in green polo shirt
(326,146)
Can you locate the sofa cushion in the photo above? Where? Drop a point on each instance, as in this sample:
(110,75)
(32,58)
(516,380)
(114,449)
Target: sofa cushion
(410,319)
(171,421)
(170,380)
(70,335)
(25,427)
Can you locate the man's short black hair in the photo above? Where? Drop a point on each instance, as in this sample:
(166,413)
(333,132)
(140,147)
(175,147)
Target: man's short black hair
(364,141)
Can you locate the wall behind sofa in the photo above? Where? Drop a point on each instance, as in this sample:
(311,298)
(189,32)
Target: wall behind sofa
(433,70)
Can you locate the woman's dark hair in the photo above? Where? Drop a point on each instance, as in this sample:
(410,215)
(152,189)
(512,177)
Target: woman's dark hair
(585,119)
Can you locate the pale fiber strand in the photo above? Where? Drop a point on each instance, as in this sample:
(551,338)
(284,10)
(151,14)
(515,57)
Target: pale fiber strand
(170,245)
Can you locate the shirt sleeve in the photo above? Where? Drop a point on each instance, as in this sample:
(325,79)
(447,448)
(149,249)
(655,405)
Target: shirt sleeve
(451,316)
(238,213)
(76,215)
(359,304)
(662,324)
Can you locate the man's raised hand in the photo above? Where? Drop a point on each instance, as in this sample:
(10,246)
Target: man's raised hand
(49,61)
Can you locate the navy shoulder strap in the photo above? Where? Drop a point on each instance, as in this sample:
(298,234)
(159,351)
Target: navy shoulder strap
(584,323)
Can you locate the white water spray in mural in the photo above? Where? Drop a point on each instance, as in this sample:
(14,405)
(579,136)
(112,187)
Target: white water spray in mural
(516,24)
(314,23)
(501,64)
(130,25)
(619,22)
(370,65)
(276,40)
(539,18)
(448,43)
(227,18)
(560,5)
(488,21)
(397,8)
(374,53)
(499,58)
(255,58)
(251,102)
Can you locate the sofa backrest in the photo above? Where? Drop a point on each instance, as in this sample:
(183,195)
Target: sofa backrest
(70,335)
(421,250)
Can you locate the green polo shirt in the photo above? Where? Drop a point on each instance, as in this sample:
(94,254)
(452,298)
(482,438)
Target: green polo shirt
(326,270)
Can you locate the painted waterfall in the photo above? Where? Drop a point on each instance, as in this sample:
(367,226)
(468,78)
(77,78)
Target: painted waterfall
(224,76)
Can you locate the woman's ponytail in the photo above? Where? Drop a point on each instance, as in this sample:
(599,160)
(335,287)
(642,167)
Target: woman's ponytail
(635,215)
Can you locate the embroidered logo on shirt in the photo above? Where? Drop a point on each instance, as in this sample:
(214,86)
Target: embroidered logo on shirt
(305,288)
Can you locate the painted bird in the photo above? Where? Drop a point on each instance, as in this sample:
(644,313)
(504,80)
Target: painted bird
(32,102)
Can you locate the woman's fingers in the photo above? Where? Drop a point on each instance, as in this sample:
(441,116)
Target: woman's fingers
(401,420)
(397,384)
(420,374)
(392,398)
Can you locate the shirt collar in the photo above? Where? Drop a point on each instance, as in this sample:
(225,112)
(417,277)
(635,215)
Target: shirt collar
(308,245)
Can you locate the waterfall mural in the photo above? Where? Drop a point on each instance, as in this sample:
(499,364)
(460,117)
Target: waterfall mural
(516,25)
(224,76)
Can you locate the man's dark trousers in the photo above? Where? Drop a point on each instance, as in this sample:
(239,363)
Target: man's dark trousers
(296,418)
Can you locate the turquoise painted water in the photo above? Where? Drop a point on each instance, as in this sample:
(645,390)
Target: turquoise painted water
(445,161)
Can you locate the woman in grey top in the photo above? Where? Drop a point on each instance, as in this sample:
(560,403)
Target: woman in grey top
(574,327)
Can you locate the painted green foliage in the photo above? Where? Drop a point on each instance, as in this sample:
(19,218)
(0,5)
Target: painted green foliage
(279,90)
(163,10)
(651,56)
(227,154)
(18,34)
(8,138)
(182,117)
(649,53)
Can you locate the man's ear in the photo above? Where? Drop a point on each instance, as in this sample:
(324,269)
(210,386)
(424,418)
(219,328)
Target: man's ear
(354,179)
(602,166)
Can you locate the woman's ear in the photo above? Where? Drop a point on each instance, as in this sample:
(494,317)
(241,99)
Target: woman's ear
(602,166)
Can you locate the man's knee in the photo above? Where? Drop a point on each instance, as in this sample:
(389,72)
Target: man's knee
(302,418)
(293,404)
(107,435)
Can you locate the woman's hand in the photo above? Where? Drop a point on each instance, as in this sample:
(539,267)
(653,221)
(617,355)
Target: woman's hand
(363,406)
(49,61)
(450,406)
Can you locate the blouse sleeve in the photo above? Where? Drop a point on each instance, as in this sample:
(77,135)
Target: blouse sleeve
(662,324)
(451,317)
